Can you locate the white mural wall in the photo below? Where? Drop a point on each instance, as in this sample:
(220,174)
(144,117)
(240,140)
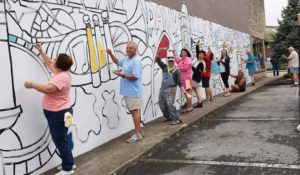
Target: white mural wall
(84,29)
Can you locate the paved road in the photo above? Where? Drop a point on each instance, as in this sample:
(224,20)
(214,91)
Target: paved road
(252,136)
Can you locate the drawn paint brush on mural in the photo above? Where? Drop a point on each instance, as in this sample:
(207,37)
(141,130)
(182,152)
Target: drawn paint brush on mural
(94,67)
(109,44)
(104,74)
(98,36)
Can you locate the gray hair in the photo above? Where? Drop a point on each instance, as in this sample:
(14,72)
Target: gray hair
(134,44)
(291,48)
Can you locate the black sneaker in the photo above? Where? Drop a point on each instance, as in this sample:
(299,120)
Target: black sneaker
(253,84)
(199,105)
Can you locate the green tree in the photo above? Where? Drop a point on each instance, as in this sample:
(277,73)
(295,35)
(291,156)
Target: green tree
(288,30)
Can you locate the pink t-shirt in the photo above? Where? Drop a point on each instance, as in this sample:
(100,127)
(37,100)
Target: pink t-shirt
(185,67)
(60,99)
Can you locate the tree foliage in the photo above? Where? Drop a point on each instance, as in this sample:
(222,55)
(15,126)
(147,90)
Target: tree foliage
(288,31)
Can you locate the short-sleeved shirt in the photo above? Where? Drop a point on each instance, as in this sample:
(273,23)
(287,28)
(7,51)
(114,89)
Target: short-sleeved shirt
(215,67)
(251,66)
(185,67)
(293,59)
(60,99)
(207,72)
(133,66)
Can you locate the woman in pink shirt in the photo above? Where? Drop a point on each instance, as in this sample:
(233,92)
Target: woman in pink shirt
(185,67)
(56,103)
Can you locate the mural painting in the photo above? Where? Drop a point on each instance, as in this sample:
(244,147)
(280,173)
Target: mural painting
(85,29)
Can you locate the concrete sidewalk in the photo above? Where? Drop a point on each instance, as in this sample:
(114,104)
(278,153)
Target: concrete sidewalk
(114,156)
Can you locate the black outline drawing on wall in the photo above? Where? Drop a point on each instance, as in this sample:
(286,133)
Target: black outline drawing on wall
(85,29)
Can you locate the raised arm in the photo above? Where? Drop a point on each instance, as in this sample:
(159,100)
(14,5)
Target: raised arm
(160,63)
(113,57)
(45,57)
(197,48)
(158,60)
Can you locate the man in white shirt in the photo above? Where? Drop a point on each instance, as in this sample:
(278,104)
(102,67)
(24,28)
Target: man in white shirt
(293,64)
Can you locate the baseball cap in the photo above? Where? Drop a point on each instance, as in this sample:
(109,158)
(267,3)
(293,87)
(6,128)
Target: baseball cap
(170,56)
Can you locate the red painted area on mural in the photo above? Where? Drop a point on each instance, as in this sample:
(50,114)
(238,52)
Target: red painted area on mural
(164,46)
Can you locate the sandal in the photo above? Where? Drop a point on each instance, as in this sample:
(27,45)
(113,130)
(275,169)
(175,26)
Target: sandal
(176,122)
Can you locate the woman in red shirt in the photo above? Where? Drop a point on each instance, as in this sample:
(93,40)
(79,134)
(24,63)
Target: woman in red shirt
(207,73)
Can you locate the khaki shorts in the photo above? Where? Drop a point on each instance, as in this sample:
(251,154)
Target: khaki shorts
(133,103)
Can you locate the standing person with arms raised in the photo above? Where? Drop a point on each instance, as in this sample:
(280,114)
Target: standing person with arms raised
(251,66)
(198,68)
(207,73)
(185,66)
(224,63)
(171,79)
(293,64)
(56,104)
(131,85)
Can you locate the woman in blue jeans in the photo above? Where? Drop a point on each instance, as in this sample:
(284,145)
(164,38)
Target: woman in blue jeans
(56,104)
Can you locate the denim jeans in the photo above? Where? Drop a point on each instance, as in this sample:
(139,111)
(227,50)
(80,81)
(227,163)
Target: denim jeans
(166,103)
(275,68)
(59,133)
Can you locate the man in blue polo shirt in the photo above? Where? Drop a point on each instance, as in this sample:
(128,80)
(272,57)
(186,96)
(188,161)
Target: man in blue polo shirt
(131,85)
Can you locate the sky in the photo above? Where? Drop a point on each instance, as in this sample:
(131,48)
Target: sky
(273,10)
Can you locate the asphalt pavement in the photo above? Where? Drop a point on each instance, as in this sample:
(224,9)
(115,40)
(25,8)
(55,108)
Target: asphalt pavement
(254,135)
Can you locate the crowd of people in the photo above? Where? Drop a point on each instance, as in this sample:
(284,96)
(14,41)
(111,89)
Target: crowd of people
(180,71)
(189,74)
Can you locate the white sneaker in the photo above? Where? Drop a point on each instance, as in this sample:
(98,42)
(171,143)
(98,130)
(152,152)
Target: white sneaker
(134,138)
(62,172)
(60,167)
(142,132)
